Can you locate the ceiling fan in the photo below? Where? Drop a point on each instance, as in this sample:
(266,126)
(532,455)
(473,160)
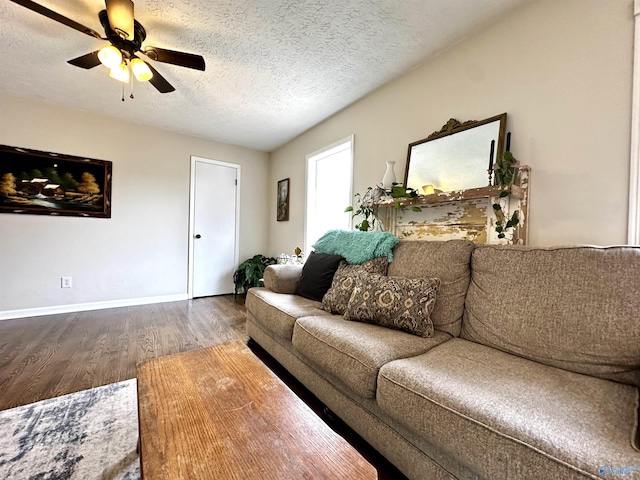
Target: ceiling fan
(126,36)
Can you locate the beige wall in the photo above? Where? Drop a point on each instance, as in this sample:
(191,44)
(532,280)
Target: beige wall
(562,70)
(142,250)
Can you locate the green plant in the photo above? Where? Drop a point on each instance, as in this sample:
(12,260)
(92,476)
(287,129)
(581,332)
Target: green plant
(398,191)
(366,205)
(367,208)
(250,272)
(505,175)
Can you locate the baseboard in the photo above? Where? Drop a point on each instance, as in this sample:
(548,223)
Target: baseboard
(80,307)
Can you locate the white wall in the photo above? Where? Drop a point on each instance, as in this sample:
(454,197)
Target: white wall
(562,70)
(141,251)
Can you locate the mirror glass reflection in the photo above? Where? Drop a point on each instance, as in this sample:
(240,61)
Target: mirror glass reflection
(456,157)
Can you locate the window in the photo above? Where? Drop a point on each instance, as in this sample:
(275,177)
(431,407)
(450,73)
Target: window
(329,179)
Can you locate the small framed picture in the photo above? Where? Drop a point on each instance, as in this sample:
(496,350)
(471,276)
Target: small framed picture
(283,200)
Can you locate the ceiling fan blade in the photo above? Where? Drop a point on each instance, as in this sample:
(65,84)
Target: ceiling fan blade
(87,61)
(120,13)
(159,81)
(57,17)
(182,59)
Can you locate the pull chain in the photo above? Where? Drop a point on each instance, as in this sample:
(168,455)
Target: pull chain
(131,82)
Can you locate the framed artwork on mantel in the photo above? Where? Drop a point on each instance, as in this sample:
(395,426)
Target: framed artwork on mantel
(282,211)
(43,183)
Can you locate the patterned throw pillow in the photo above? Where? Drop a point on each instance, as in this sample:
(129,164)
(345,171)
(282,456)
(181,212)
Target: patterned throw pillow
(337,298)
(394,302)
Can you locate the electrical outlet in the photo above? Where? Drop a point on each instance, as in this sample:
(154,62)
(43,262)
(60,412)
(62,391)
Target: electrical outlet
(65,282)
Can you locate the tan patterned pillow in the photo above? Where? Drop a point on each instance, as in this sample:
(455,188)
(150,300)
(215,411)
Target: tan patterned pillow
(337,298)
(394,302)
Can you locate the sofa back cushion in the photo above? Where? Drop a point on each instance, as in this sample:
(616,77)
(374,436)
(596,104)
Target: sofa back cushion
(575,308)
(446,260)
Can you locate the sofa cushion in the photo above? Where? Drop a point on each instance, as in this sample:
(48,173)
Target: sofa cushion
(570,307)
(277,312)
(337,297)
(446,260)
(394,302)
(354,352)
(508,417)
(317,275)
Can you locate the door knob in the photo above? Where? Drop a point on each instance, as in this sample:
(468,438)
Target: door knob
(198,236)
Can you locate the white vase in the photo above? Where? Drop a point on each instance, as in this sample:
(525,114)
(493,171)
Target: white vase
(389,176)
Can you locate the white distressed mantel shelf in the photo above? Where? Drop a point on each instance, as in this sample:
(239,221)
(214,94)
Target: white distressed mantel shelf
(464,214)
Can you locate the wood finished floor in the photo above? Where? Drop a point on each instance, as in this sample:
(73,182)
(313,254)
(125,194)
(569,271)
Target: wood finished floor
(47,356)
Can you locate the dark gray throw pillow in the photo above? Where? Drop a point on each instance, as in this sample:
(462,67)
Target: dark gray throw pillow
(317,275)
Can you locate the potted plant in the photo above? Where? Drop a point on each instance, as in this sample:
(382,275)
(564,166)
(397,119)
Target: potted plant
(250,272)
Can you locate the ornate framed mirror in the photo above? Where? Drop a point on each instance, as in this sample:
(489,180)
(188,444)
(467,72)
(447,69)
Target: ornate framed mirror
(456,157)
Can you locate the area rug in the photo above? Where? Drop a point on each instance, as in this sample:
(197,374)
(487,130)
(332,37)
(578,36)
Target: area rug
(86,435)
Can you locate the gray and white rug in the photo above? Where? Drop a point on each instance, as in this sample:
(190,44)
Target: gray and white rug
(86,435)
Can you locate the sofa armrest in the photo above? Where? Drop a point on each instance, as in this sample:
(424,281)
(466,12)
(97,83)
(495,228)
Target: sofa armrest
(282,278)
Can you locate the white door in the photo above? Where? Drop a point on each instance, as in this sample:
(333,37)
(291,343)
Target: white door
(214,227)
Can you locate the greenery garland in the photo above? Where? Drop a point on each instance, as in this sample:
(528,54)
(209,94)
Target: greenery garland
(505,175)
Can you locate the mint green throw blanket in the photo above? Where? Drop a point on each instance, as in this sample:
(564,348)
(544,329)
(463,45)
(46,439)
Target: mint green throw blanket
(357,247)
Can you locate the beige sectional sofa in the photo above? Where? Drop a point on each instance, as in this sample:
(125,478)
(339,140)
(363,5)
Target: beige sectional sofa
(533,370)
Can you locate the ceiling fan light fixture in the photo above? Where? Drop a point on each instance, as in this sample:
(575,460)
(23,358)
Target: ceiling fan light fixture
(120,13)
(126,36)
(120,73)
(110,56)
(141,70)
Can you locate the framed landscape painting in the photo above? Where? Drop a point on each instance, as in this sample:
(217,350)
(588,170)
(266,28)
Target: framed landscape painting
(283,200)
(44,183)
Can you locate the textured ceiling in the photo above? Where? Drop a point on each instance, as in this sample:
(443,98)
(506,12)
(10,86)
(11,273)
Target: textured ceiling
(275,68)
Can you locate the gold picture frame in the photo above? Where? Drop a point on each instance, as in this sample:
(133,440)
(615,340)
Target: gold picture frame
(43,183)
(282,209)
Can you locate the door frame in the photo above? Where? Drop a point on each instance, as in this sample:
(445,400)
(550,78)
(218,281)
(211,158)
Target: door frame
(633,224)
(192,192)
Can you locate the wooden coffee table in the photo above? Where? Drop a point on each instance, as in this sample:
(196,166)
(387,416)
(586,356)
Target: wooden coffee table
(219,413)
